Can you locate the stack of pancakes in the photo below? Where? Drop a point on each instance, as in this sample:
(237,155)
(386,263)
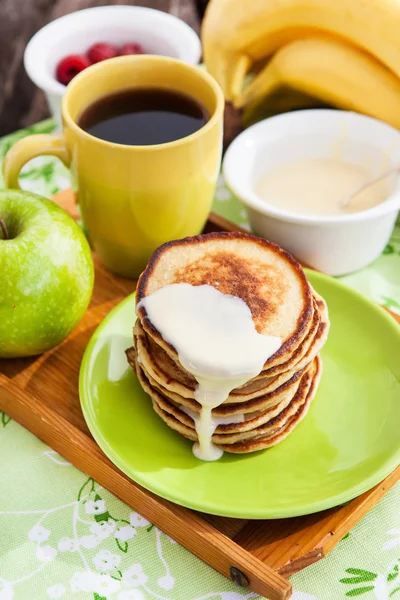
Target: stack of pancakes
(262,412)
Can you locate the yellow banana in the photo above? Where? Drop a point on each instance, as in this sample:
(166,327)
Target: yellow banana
(236,33)
(333,72)
(283,99)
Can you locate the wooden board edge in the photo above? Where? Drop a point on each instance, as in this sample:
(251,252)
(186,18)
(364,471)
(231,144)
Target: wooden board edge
(222,224)
(301,563)
(356,509)
(348,515)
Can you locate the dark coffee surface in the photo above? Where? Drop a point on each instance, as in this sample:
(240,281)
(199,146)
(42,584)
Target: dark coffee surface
(141,117)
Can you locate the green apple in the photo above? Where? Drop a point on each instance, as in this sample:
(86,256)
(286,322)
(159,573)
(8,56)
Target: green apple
(46,274)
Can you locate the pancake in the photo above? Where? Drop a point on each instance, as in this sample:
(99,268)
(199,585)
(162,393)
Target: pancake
(300,351)
(318,343)
(160,365)
(265,442)
(266,408)
(280,396)
(166,372)
(263,436)
(173,369)
(175,380)
(255,424)
(268,279)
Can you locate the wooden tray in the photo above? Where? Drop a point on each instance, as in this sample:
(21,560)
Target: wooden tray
(41,394)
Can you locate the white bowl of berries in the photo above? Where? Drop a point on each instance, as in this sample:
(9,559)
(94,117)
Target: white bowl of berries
(66,46)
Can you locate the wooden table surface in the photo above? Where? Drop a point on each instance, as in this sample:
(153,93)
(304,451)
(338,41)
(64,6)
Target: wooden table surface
(21,103)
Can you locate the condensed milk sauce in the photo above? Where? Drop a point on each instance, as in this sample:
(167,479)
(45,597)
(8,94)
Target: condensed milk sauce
(320,186)
(216,341)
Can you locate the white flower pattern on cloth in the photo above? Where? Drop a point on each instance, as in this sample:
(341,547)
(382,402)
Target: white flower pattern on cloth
(88,581)
(125,533)
(171,539)
(131,595)
(67,545)
(89,541)
(380,588)
(45,553)
(39,534)
(83,581)
(106,560)
(236,596)
(104,529)
(166,582)
(137,520)
(134,576)
(105,585)
(56,591)
(394,542)
(6,590)
(56,458)
(95,507)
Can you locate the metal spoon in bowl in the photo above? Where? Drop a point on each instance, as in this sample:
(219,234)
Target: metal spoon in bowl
(345,203)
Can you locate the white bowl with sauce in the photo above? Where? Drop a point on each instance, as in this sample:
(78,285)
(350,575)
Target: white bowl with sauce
(352,147)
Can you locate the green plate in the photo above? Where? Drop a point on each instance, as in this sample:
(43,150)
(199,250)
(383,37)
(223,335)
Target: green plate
(348,442)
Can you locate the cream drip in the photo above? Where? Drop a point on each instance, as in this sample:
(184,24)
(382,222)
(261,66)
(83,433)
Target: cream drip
(216,341)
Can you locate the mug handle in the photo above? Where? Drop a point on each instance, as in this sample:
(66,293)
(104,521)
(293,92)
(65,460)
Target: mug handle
(30,147)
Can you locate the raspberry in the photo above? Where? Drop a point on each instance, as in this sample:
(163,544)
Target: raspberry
(70,66)
(132,48)
(101,51)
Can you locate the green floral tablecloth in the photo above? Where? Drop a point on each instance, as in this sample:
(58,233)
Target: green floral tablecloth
(63,536)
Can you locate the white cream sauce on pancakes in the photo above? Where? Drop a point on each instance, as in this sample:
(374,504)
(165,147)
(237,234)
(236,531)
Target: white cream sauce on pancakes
(216,341)
(227,420)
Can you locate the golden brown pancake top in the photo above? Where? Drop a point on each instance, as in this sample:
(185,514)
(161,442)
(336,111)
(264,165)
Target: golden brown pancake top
(268,279)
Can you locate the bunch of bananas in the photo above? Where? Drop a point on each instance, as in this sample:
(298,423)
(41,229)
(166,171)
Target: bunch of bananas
(344,53)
